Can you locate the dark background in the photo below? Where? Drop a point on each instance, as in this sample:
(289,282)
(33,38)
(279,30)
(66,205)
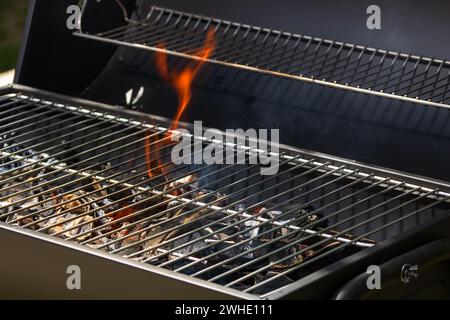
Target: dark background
(12,20)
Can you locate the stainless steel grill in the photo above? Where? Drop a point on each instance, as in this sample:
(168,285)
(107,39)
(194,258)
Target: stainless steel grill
(331,63)
(83,175)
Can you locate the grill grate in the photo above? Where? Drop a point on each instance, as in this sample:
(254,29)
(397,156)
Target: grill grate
(82,175)
(331,63)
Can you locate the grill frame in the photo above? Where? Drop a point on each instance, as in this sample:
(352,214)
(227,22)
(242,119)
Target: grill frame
(231,292)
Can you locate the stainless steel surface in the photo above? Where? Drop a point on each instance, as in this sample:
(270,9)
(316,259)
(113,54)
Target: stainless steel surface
(71,171)
(336,64)
(104,276)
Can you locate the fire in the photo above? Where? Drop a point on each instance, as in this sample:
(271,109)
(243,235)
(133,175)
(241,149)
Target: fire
(153,140)
(182,82)
(148,156)
(121,214)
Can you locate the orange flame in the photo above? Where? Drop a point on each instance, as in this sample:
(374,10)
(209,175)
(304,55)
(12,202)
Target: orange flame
(152,139)
(121,214)
(182,81)
(148,156)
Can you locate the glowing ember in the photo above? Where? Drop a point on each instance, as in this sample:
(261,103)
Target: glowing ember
(121,214)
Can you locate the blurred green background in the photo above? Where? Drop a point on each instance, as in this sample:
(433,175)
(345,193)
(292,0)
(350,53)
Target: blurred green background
(12,20)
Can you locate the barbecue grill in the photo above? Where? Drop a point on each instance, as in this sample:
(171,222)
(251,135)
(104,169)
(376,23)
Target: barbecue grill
(87,177)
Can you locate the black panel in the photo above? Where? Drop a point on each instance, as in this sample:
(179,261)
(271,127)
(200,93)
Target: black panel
(54,59)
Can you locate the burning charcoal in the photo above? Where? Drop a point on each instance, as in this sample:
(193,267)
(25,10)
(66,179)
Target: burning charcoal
(193,247)
(11,166)
(291,262)
(126,209)
(208,196)
(50,204)
(128,240)
(230,231)
(79,229)
(97,243)
(19,189)
(73,219)
(190,222)
(22,209)
(252,233)
(161,238)
(74,204)
(138,197)
(58,222)
(136,237)
(122,233)
(180,187)
(93,184)
(185,224)
(100,213)
(4,208)
(62,226)
(231,252)
(43,158)
(21,217)
(173,203)
(288,235)
(118,192)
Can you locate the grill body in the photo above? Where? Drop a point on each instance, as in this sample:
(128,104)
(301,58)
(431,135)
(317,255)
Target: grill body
(383,214)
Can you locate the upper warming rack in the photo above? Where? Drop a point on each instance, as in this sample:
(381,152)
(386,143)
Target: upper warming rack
(330,63)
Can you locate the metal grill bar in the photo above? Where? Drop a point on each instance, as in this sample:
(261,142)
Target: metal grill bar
(166,192)
(84,175)
(225,224)
(279,238)
(319,243)
(331,63)
(231,225)
(255,217)
(162,213)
